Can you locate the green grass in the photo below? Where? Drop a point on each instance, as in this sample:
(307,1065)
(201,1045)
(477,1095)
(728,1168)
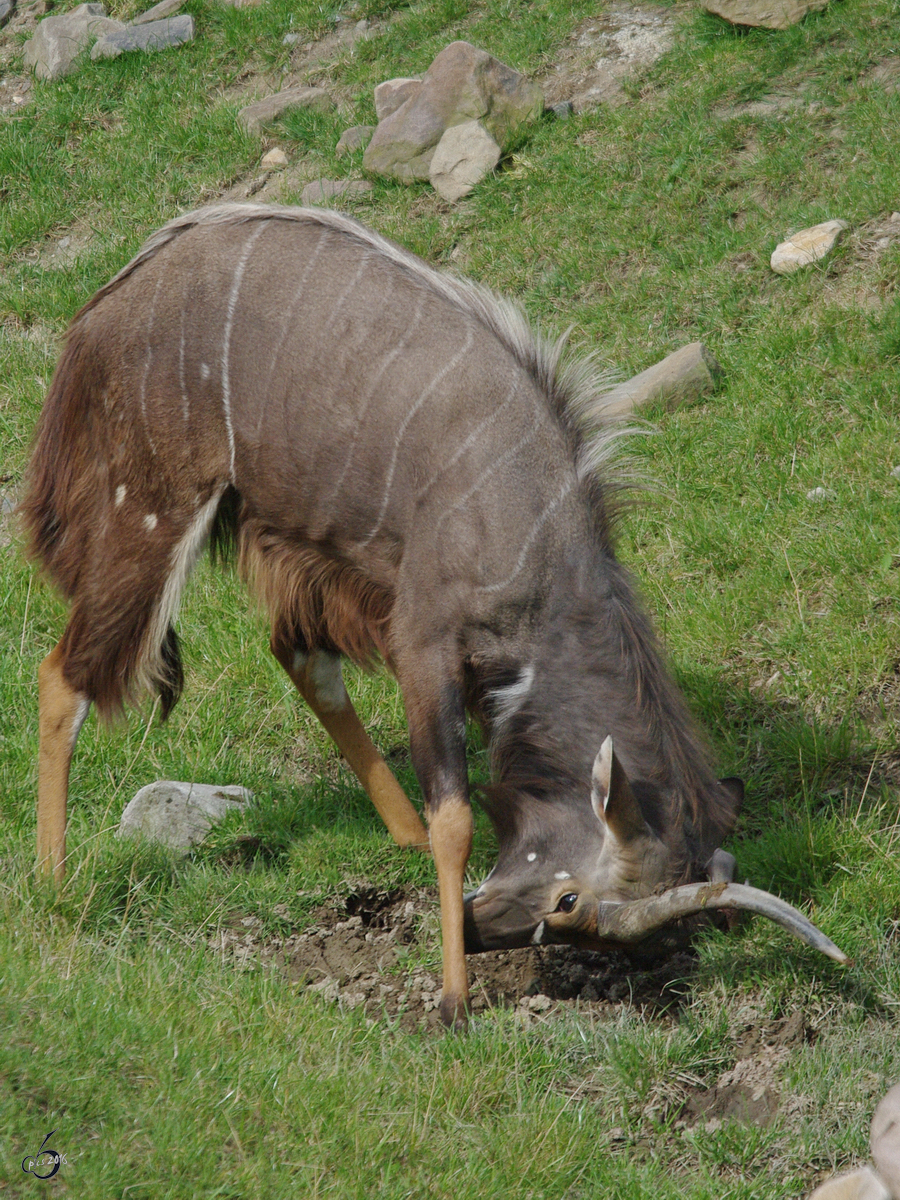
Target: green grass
(170,1073)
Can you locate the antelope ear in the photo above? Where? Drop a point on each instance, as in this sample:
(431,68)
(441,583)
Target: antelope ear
(612,799)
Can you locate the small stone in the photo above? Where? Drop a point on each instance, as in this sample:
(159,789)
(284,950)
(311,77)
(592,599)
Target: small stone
(327,189)
(462,158)
(806,247)
(179,814)
(857,1185)
(328,989)
(275,159)
(539,1003)
(165,8)
(357,137)
(150,37)
(819,495)
(263,112)
(896,472)
(563,110)
(7,8)
(290,39)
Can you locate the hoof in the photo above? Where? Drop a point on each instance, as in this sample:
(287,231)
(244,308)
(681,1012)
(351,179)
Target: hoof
(454,1013)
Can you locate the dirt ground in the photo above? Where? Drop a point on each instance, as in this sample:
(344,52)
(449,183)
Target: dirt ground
(366,947)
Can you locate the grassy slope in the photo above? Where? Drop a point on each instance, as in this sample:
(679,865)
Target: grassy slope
(647,226)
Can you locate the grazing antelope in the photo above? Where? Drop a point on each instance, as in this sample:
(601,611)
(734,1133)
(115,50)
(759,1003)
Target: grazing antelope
(408,473)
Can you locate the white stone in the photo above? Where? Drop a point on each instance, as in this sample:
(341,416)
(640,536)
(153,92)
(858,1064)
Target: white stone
(275,158)
(462,158)
(806,247)
(179,814)
(819,495)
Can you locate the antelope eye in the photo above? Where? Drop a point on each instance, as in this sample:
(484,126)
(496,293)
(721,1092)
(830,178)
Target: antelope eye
(568,902)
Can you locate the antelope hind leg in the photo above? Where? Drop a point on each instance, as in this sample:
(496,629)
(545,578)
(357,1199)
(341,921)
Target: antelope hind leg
(62,713)
(317,677)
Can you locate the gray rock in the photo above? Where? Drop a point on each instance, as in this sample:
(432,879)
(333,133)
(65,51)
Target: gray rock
(254,117)
(689,372)
(769,14)
(357,137)
(563,110)
(179,814)
(462,158)
(394,92)
(7,8)
(462,84)
(321,190)
(152,36)
(58,41)
(165,8)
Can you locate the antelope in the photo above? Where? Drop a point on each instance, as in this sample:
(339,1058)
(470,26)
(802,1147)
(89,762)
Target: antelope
(408,473)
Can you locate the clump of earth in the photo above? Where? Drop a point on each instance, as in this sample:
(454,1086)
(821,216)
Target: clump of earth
(365,949)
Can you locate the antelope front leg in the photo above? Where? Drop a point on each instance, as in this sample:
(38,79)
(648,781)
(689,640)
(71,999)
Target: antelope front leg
(436,717)
(317,677)
(62,713)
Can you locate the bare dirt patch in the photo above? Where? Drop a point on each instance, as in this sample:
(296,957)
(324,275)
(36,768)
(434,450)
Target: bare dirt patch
(603,50)
(366,947)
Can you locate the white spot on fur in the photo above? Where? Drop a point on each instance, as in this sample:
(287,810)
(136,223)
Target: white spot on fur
(150,522)
(121,493)
(508,700)
(532,856)
(562,875)
(328,684)
(538,936)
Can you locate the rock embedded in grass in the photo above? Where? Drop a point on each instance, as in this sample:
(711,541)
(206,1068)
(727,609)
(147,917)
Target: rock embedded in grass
(179,815)
(254,117)
(59,40)
(806,247)
(765,14)
(148,37)
(321,190)
(357,137)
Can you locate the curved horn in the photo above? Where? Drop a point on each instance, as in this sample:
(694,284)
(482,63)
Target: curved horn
(632,921)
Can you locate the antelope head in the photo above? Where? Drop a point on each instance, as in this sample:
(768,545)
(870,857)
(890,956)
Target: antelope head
(603,875)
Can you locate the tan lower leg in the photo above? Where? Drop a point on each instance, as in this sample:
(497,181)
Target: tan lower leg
(451,843)
(339,718)
(62,712)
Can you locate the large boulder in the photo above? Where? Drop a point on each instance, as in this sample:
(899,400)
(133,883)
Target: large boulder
(58,41)
(462,84)
(767,14)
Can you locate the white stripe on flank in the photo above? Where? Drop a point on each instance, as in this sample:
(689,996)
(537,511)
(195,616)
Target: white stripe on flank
(226,340)
(477,433)
(532,534)
(386,362)
(442,373)
(181,562)
(185,403)
(287,325)
(147,362)
(486,475)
